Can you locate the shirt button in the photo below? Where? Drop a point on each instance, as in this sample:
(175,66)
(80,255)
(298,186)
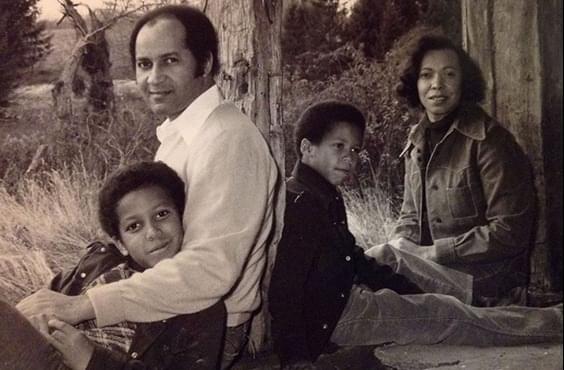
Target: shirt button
(325,326)
(164,321)
(83,275)
(342,295)
(348,258)
(134,355)
(103,249)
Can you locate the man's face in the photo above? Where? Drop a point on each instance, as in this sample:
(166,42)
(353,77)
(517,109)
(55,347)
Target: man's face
(150,227)
(165,69)
(336,156)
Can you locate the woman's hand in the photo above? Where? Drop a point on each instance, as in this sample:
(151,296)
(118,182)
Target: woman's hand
(73,345)
(403,244)
(426,252)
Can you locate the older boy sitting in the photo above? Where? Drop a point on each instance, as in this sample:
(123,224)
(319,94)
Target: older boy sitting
(325,289)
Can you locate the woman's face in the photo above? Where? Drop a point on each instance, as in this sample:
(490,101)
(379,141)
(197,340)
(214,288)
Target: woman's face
(439,83)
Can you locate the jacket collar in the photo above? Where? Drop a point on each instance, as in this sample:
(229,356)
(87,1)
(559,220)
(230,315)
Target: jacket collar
(315,183)
(471,122)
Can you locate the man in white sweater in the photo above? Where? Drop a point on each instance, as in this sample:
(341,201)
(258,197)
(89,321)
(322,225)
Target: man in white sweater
(231,185)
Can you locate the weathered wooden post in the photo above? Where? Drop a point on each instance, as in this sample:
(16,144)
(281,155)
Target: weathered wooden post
(251,76)
(518,44)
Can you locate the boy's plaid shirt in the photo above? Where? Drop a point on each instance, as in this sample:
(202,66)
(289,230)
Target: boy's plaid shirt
(116,337)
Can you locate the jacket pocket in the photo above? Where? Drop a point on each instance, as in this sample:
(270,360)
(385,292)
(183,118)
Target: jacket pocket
(461,203)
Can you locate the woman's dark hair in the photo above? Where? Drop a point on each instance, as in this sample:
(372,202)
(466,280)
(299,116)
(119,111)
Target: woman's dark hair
(201,37)
(134,177)
(320,118)
(473,84)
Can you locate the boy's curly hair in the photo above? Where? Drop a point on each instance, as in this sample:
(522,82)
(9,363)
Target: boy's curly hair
(131,178)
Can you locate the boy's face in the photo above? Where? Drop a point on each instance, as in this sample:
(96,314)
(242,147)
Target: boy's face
(150,227)
(336,156)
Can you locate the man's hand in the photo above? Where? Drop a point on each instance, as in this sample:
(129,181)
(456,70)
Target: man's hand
(70,309)
(73,345)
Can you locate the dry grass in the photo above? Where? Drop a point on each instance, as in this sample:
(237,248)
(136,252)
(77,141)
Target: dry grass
(44,227)
(22,274)
(371,215)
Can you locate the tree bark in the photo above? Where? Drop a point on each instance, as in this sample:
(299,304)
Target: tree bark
(518,45)
(85,85)
(251,77)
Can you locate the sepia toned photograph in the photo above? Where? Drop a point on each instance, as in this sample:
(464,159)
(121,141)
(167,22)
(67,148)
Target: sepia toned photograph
(281,184)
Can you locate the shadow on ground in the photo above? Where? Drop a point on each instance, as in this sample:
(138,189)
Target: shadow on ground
(418,357)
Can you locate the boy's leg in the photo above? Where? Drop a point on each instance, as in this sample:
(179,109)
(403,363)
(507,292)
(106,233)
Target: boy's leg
(22,347)
(372,318)
(431,277)
(235,340)
(208,333)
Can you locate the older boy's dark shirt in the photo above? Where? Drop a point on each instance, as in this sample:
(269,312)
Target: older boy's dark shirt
(316,265)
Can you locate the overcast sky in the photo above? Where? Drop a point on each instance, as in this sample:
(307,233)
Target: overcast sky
(50,9)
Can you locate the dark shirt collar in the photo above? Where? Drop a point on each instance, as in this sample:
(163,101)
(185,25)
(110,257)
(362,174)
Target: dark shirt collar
(316,183)
(126,258)
(441,125)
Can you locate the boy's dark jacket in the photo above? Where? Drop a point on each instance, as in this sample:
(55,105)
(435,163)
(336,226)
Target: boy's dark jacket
(167,344)
(316,265)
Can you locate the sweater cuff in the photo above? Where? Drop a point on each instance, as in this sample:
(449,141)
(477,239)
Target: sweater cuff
(445,250)
(108,303)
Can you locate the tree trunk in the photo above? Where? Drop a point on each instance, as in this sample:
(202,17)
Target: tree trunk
(85,85)
(518,44)
(251,77)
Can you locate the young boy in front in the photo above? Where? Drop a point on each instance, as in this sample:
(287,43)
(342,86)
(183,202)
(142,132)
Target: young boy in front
(140,207)
(324,289)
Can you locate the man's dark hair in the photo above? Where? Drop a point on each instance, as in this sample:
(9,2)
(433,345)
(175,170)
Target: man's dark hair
(201,37)
(320,118)
(472,86)
(134,177)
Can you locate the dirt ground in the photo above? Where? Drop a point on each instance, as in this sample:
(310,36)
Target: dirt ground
(541,357)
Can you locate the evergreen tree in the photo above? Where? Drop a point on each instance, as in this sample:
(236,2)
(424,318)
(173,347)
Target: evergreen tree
(374,25)
(311,37)
(22,42)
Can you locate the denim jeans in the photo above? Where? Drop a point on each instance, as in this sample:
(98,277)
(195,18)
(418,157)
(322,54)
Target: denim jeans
(431,277)
(372,318)
(22,347)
